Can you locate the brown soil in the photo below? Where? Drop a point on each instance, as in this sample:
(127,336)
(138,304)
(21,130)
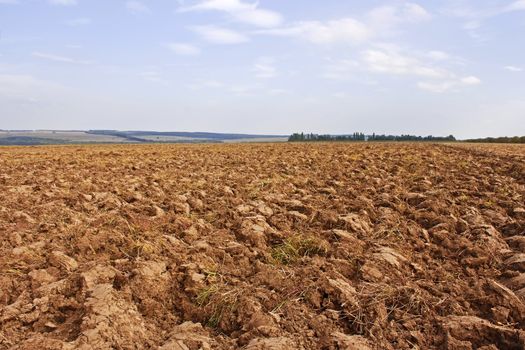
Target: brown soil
(284,246)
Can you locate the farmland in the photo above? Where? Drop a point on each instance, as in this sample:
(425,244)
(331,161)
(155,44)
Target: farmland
(263,246)
(58,137)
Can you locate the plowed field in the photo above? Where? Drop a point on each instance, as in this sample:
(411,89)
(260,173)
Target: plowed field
(265,246)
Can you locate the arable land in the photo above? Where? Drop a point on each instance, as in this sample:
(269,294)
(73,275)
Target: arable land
(263,246)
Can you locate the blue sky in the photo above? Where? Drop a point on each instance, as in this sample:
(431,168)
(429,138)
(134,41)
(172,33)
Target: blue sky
(272,66)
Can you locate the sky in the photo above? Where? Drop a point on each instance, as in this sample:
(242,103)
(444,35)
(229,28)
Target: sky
(266,67)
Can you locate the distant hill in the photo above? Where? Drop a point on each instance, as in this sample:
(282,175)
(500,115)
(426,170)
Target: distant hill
(180,135)
(49,137)
(27,141)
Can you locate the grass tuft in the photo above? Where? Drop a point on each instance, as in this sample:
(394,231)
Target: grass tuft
(296,247)
(204,296)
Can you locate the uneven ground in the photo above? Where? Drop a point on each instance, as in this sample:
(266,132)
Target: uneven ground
(284,246)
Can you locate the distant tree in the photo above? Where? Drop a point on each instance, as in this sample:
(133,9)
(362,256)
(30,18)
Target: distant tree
(514,139)
(359,136)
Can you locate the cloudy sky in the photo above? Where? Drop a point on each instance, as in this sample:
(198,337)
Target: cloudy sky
(272,66)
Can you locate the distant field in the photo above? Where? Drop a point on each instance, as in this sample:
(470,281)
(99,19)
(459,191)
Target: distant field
(61,137)
(47,137)
(160,138)
(261,139)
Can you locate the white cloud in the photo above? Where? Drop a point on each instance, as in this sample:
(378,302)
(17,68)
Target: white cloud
(183,49)
(58,58)
(218,35)
(392,62)
(437,87)
(515,6)
(137,7)
(414,12)
(380,21)
(476,16)
(240,11)
(264,71)
(78,22)
(513,68)
(63,2)
(346,30)
(473,17)
(220,5)
(444,86)
(471,80)
(385,18)
(438,55)
(472,25)
(259,18)
(264,68)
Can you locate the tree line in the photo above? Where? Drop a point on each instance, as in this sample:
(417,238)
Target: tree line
(359,136)
(302,137)
(515,139)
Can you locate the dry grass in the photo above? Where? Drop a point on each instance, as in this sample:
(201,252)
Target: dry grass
(296,247)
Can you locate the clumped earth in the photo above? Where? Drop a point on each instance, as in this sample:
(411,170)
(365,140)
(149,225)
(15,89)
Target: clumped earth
(283,246)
